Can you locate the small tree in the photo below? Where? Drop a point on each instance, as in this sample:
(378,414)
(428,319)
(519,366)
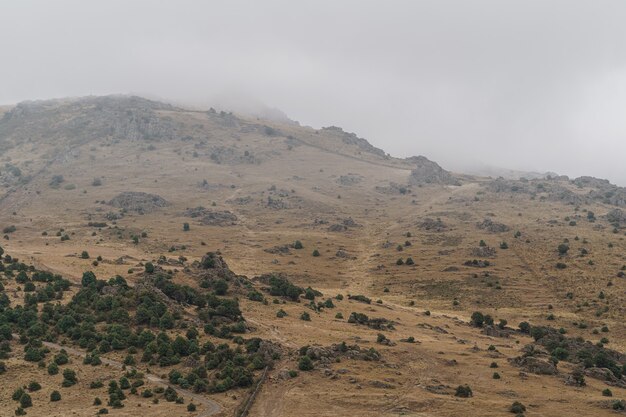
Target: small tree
(316,253)
(26,401)
(186,227)
(305,363)
(478,319)
(69,378)
(55,396)
(463,391)
(149,267)
(517,408)
(298,245)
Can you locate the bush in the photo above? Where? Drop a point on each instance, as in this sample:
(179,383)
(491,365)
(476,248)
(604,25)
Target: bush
(305,363)
(149,267)
(26,401)
(524,327)
(84,255)
(55,396)
(477,319)
(316,253)
(560,265)
(463,391)
(607,392)
(298,245)
(34,386)
(517,408)
(563,249)
(186,227)
(409,261)
(9,229)
(69,378)
(191,407)
(305,316)
(504,245)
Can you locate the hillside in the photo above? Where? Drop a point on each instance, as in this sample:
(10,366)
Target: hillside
(392,256)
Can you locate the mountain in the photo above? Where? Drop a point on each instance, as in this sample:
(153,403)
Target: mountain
(259,265)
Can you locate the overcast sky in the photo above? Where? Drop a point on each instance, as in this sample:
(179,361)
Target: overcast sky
(532,85)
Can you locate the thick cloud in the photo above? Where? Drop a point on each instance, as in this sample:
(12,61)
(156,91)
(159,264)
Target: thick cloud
(532,84)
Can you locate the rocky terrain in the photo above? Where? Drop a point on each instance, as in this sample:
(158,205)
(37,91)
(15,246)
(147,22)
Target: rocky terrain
(205,263)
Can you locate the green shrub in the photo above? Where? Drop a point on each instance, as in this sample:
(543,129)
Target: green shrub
(305,363)
(517,408)
(463,391)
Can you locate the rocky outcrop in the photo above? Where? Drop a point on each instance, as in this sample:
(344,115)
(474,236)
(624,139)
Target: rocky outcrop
(429,172)
(349,179)
(432,225)
(493,227)
(616,216)
(354,140)
(534,365)
(138,202)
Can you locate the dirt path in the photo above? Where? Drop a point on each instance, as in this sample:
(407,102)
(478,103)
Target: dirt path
(211,407)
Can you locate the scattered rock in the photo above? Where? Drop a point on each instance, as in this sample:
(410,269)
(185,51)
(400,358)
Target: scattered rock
(138,202)
(493,227)
(429,172)
(534,365)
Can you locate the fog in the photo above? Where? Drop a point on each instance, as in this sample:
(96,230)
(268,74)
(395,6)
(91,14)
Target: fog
(529,85)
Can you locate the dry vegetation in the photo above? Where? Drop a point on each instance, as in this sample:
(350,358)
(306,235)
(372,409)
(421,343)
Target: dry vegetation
(131,188)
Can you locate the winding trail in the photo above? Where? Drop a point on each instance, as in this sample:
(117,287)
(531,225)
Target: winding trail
(211,407)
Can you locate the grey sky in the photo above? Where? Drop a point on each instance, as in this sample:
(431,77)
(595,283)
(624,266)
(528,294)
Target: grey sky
(532,84)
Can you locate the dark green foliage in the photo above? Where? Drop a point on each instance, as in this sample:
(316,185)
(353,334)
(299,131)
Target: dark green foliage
(477,319)
(305,316)
(55,396)
(53,369)
(26,401)
(255,296)
(298,245)
(463,391)
(282,287)
(220,287)
(316,253)
(69,378)
(186,227)
(517,408)
(524,327)
(563,248)
(305,363)
(17,394)
(34,386)
(149,267)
